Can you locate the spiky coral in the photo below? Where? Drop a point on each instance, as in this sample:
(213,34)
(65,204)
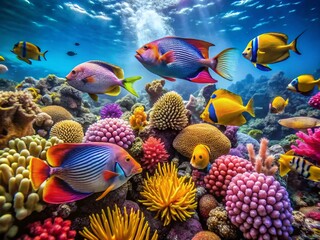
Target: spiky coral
(173,198)
(68,130)
(115,226)
(138,120)
(111,110)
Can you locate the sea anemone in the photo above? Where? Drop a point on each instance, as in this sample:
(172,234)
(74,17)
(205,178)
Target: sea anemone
(111,110)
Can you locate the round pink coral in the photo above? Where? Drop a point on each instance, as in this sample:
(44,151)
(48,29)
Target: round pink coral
(112,130)
(315,101)
(259,206)
(153,152)
(222,171)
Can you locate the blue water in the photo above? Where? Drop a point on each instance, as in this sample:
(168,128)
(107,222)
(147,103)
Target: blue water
(112,31)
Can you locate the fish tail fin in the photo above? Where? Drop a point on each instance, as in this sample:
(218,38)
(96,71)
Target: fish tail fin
(128,84)
(44,55)
(284,166)
(250,108)
(286,102)
(224,63)
(293,44)
(318,83)
(314,174)
(39,172)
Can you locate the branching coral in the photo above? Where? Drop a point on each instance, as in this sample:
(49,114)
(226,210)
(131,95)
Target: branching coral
(117,226)
(173,198)
(68,131)
(138,120)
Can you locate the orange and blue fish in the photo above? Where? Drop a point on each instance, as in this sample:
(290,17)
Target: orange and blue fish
(184,58)
(77,170)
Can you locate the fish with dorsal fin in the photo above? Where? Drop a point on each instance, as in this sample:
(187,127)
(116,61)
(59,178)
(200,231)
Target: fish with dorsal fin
(305,84)
(26,51)
(299,123)
(278,105)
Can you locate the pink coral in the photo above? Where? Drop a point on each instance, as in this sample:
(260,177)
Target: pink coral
(315,101)
(222,171)
(314,215)
(153,152)
(309,144)
(112,130)
(259,206)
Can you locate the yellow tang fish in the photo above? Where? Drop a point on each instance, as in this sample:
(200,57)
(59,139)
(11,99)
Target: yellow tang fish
(2,58)
(300,123)
(289,161)
(269,48)
(200,156)
(226,108)
(304,84)
(27,50)
(278,105)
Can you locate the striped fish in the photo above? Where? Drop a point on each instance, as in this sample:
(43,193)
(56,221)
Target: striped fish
(26,51)
(289,161)
(77,170)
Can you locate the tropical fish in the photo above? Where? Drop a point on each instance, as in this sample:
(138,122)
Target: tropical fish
(300,123)
(2,58)
(3,68)
(226,108)
(200,156)
(77,170)
(188,59)
(97,77)
(27,50)
(278,105)
(77,44)
(71,53)
(269,48)
(304,84)
(289,161)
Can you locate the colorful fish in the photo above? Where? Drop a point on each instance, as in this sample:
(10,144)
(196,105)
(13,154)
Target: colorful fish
(77,170)
(27,50)
(1,58)
(188,59)
(200,156)
(97,77)
(226,108)
(278,105)
(289,161)
(300,123)
(269,48)
(304,84)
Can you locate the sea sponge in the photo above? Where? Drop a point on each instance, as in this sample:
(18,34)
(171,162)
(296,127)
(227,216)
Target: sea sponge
(202,133)
(206,204)
(173,198)
(169,112)
(138,120)
(68,131)
(57,113)
(111,110)
(117,225)
(206,235)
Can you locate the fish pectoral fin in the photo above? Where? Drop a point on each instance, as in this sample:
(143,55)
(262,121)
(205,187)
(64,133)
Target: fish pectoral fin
(93,96)
(113,91)
(168,57)
(107,175)
(24,59)
(109,189)
(89,79)
(169,78)
(58,191)
(262,67)
(203,77)
(261,52)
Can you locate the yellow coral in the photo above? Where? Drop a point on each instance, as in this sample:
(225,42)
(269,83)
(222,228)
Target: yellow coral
(138,120)
(115,226)
(57,113)
(68,130)
(173,198)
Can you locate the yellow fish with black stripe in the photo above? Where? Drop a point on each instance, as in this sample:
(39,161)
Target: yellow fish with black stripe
(269,48)
(289,161)
(26,51)
(278,105)
(200,156)
(226,108)
(305,84)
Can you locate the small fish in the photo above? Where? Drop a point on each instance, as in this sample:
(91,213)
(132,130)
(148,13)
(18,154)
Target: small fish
(3,68)
(278,105)
(77,170)
(77,44)
(26,51)
(71,53)
(2,58)
(97,77)
(304,84)
(226,108)
(188,59)
(300,123)
(200,156)
(289,161)
(269,48)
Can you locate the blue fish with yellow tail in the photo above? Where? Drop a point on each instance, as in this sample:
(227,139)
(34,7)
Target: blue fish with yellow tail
(77,170)
(184,58)
(289,161)
(26,51)
(269,48)
(226,108)
(305,84)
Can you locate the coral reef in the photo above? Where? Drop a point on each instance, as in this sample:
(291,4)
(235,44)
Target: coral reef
(255,133)
(155,90)
(201,133)
(231,134)
(184,230)
(138,120)
(127,102)
(314,101)
(259,206)
(206,204)
(57,113)
(172,197)
(113,130)
(111,110)
(42,124)
(206,235)
(198,177)
(68,131)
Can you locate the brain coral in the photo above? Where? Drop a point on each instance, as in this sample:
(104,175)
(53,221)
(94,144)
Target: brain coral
(68,131)
(202,133)
(57,113)
(169,112)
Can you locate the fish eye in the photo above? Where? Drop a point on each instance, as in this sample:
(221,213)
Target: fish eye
(200,156)
(194,157)
(248,49)
(73,72)
(145,47)
(127,159)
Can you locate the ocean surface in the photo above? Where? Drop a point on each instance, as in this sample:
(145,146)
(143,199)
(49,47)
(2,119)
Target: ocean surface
(112,31)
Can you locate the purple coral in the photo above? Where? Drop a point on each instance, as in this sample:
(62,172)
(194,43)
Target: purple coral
(309,144)
(112,130)
(259,206)
(111,110)
(231,133)
(315,101)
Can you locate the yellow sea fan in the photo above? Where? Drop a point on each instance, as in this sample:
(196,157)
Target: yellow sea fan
(118,226)
(173,198)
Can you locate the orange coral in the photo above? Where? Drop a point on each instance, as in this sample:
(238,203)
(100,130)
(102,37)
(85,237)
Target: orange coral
(138,120)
